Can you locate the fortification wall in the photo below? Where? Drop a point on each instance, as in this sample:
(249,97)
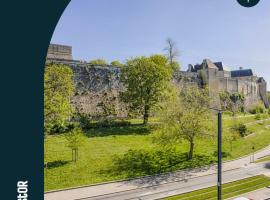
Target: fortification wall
(95,82)
(56,51)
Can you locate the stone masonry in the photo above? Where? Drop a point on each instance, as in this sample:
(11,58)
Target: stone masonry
(93,82)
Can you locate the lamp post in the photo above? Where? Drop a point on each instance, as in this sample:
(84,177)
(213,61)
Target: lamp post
(219,183)
(219,153)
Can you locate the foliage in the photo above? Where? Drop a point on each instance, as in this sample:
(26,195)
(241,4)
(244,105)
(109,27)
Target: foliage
(100,62)
(224,154)
(145,162)
(116,63)
(75,138)
(145,79)
(203,78)
(185,118)
(172,53)
(107,106)
(58,89)
(260,116)
(257,108)
(240,128)
(233,102)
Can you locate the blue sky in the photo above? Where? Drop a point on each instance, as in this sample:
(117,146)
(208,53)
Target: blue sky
(221,30)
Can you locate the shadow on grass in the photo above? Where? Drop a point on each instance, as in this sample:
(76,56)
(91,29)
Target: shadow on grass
(159,163)
(133,129)
(57,163)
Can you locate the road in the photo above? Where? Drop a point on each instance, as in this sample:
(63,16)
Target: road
(153,187)
(173,188)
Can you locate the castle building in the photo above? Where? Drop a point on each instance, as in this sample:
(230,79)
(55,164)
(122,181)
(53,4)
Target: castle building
(220,79)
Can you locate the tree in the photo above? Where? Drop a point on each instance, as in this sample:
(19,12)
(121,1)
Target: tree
(75,139)
(116,63)
(233,133)
(185,118)
(58,89)
(98,62)
(145,79)
(172,53)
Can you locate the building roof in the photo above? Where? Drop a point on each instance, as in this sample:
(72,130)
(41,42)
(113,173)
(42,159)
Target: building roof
(241,73)
(209,64)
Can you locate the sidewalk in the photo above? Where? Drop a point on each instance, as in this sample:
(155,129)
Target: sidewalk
(119,186)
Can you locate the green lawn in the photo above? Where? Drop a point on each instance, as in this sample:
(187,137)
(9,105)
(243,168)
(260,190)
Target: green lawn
(228,190)
(95,158)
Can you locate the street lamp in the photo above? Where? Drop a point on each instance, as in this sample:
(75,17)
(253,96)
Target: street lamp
(219,183)
(219,153)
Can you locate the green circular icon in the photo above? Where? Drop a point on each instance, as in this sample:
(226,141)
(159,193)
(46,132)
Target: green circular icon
(248,3)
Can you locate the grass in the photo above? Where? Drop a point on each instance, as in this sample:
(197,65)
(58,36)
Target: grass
(264,159)
(96,157)
(231,189)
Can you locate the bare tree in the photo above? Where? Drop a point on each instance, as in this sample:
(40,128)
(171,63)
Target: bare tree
(172,53)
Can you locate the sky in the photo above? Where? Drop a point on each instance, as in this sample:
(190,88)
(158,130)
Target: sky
(120,29)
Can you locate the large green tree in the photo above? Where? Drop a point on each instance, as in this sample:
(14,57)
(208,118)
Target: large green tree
(185,118)
(145,80)
(58,89)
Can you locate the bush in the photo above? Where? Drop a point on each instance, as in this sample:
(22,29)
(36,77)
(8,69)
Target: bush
(261,116)
(98,62)
(63,128)
(257,108)
(87,122)
(241,129)
(224,154)
(111,123)
(145,162)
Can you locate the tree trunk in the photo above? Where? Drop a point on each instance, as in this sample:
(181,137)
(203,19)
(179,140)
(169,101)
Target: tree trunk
(191,148)
(146,115)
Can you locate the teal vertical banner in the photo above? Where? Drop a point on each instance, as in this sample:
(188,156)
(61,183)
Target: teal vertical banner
(26,30)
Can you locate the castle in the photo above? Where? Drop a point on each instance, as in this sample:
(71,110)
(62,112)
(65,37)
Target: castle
(92,82)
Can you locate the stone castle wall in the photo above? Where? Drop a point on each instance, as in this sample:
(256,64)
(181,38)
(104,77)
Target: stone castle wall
(56,51)
(95,82)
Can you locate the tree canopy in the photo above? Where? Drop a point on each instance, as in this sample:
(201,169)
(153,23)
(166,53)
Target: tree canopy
(185,118)
(58,89)
(145,79)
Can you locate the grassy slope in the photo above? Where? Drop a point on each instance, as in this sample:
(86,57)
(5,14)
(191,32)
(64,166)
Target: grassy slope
(228,190)
(96,157)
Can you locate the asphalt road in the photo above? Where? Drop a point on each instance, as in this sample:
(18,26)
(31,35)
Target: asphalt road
(173,188)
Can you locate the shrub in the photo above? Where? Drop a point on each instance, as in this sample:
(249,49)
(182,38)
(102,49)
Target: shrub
(257,108)
(87,122)
(98,62)
(116,63)
(224,154)
(241,129)
(63,128)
